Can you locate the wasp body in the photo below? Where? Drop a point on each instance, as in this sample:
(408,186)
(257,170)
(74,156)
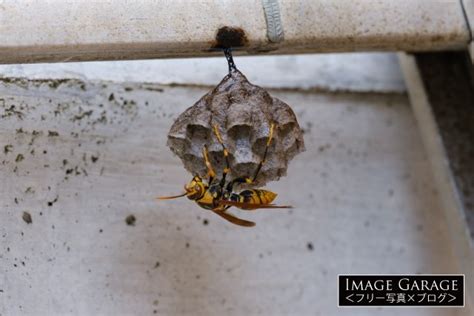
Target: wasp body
(218,195)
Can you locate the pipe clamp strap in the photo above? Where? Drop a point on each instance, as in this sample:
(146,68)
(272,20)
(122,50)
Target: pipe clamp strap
(273,19)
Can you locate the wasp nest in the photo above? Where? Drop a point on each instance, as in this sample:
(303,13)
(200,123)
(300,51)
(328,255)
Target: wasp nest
(243,113)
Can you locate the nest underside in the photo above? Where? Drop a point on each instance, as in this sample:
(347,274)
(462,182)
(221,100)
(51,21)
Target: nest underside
(243,114)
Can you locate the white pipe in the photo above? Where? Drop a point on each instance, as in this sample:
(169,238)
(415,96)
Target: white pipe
(74,30)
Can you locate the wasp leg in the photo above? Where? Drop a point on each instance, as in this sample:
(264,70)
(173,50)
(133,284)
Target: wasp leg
(210,171)
(231,218)
(226,155)
(231,184)
(262,162)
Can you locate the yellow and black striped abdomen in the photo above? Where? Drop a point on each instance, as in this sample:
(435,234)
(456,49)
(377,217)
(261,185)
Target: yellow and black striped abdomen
(257,197)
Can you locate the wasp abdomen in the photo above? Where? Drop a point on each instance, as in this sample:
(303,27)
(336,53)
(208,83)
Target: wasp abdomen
(257,196)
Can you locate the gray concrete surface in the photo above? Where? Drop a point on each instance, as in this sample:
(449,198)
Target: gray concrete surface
(358,72)
(80,161)
(447,132)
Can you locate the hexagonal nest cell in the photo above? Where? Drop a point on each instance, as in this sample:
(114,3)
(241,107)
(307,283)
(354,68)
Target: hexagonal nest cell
(243,114)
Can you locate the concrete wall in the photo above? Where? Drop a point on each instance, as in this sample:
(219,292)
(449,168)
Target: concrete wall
(82,156)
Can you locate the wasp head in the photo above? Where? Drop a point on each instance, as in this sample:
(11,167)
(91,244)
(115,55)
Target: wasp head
(195,188)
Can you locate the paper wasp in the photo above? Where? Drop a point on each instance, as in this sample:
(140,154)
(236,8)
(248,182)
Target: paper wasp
(218,195)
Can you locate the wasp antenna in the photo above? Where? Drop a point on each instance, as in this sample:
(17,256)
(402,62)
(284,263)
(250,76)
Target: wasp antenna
(171,197)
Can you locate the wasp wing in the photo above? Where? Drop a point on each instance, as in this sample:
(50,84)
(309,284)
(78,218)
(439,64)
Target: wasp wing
(234,220)
(251,206)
